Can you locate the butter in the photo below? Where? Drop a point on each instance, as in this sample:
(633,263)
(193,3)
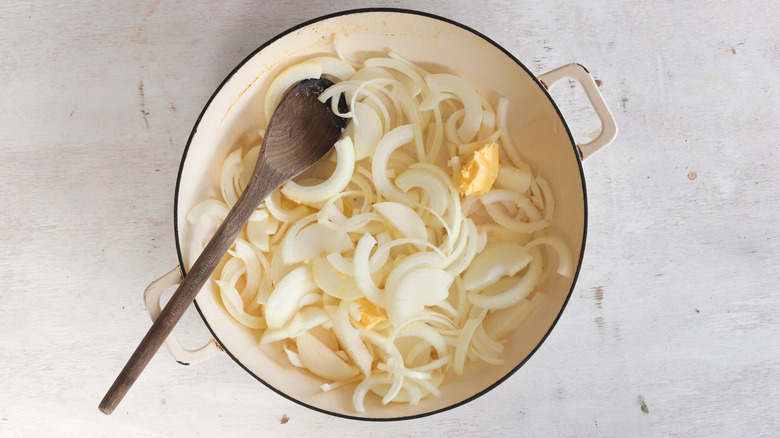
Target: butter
(370,315)
(480,171)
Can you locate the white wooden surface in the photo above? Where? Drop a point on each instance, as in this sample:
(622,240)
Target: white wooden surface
(677,301)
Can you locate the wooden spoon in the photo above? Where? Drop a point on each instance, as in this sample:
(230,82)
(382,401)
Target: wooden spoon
(301,131)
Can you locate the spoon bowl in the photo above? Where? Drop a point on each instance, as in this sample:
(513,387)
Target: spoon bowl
(301,131)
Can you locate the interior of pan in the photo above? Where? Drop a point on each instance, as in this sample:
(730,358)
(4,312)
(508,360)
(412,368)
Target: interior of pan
(234,114)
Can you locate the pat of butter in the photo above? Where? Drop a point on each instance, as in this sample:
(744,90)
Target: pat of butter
(480,171)
(370,315)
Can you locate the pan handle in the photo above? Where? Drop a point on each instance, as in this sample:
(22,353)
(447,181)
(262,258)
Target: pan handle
(152,296)
(580,74)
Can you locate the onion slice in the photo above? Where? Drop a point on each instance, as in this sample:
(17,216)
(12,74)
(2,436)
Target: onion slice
(333,282)
(318,193)
(496,261)
(362,274)
(322,361)
(516,292)
(349,337)
(418,288)
(403,219)
(391,141)
(286,79)
(365,130)
(286,296)
(472,104)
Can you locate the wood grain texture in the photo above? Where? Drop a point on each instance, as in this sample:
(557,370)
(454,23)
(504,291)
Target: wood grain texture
(677,301)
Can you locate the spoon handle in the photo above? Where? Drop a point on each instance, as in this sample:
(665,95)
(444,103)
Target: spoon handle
(258,189)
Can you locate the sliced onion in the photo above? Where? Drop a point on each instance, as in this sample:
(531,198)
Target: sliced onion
(408,392)
(432,386)
(367,136)
(247,166)
(311,241)
(334,67)
(415,83)
(434,100)
(259,232)
(362,273)
(565,260)
(305,319)
(492,359)
(274,205)
(333,282)
(229,168)
(409,106)
(512,178)
(514,294)
(360,223)
(506,140)
(465,251)
(325,387)
(289,253)
(488,123)
(243,251)
(472,104)
(340,264)
(332,212)
(495,232)
(427,333)
(436,136)
(451,131)
(549,200)
(321,361)
(349,337)
(496,261)
(485,343)
(293,357)
(455,215)
(464,340)
(499,323)
(393,140)
(431,185)
(403,219)
(279,268)
(495,213)
(286,296)
(266,284)
(362,389)
(286,79)
(325,335)
(469,148)
(315,194)
(213,207)
(413,261)
(235,306)
(494,197)
(423,375)
(418,288)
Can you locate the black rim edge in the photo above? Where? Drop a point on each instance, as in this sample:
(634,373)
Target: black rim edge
(435,17)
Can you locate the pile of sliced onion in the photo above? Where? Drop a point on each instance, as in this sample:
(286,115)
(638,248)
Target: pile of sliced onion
(375,271)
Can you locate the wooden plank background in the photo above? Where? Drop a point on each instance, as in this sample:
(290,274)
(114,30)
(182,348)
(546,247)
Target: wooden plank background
(677,301)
